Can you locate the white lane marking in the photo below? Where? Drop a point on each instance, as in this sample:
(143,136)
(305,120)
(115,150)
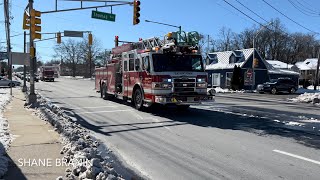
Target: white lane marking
(158,121)
(138,116)
(297,156)
(92,107)
(92,112)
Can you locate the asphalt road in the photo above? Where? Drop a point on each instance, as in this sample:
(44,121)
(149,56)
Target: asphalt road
(212,141)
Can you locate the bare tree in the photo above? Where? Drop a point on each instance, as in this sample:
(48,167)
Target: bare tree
(203,44)
(70,53)
(225,39)
(89,53)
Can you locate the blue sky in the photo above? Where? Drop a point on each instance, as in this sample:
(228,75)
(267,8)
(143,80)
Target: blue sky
(204,16)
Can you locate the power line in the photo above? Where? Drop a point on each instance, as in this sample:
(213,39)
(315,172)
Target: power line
(289,17)
(242,12)
(252,11)
(230,11)
(312,11)
(301,10)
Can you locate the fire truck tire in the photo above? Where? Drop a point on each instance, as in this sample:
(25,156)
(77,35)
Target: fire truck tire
(138,99)
(104,93)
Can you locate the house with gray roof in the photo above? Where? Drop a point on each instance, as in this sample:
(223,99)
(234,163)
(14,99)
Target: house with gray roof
(220,67)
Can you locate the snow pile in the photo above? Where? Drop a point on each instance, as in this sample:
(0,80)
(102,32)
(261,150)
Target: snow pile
(309,90)
(5,137)
(312,88)
(307,98)
(220,90)
(80,150)
(77,78)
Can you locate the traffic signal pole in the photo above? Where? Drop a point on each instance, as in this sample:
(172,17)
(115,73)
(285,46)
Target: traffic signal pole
(24,88)
(32,96)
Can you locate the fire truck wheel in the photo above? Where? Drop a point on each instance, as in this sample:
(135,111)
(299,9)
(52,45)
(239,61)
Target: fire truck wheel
(104,93)
(138,99)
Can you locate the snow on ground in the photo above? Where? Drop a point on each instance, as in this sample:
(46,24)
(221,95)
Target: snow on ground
(5,137)
(220,90)
(308,90)
(307,98)
(77,77)
(312,88)
(80,149)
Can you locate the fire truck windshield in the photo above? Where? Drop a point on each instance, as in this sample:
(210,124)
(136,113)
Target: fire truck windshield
(48,72)
(177,62)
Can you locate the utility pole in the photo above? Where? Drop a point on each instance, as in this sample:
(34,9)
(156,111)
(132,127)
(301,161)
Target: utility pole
(208,50)
(317,73)
(24,88)
(7,22)
(32,96)
(90,61)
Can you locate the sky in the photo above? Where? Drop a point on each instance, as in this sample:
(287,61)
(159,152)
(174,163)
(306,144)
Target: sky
(205,16)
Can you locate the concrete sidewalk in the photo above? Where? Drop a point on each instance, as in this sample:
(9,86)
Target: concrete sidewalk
(35,149)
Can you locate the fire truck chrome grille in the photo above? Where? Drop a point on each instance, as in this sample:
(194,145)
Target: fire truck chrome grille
(184,84)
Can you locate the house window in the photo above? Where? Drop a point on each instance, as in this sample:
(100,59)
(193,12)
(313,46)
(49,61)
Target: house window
(213,61)
(228,79)
(232,59)
(240,59)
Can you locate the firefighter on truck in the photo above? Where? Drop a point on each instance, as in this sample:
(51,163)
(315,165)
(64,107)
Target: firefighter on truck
(169,71)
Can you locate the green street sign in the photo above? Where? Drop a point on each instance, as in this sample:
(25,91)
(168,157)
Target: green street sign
(103,16)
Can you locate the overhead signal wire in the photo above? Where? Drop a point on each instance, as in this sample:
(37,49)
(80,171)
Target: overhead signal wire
(301,10)
(251,11)
(289,17)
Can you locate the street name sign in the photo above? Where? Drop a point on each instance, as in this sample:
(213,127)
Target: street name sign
(103,16)
(73,33)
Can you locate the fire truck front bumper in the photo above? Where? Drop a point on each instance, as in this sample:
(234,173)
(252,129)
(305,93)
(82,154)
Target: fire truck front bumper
(184,100)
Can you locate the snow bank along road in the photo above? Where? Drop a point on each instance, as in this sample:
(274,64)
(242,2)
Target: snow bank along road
(203,143)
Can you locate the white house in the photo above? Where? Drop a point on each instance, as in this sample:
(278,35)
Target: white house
(281,65)
(308,68)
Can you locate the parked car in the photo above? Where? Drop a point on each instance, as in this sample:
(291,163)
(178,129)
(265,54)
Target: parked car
(6,82)
(278,85)
(36,78)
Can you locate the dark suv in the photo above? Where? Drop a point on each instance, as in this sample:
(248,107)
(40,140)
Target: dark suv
(277,85)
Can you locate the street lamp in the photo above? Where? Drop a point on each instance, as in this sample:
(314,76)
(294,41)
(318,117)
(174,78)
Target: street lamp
(166,25)
(253,46)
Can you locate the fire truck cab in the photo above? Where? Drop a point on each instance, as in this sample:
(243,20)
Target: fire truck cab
(154,71)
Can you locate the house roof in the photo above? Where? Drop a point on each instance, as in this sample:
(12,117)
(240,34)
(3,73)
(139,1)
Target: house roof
(279,64)
(281,71)
(223,59)
(308,64)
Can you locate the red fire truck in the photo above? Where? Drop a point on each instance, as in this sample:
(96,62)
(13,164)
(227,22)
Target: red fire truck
(169,71)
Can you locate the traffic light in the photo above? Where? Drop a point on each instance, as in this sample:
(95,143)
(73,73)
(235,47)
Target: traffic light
(116,41)
(26,21)
(59,37)
(90,39)
(35,24)
(255,62)
(136,12)
(32,52)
